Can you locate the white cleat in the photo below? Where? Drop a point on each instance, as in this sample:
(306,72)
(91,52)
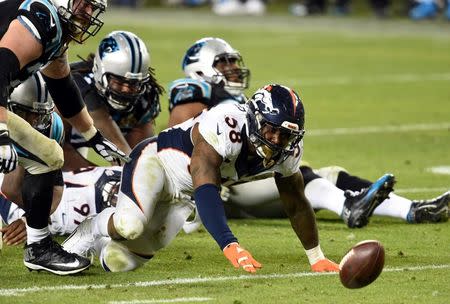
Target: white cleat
(82,240)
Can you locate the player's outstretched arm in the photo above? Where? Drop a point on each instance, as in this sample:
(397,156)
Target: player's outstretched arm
(205,171)
(303,220)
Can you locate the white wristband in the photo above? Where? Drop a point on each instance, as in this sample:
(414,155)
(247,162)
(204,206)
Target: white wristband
(314,255)
(3,126)
(89,133)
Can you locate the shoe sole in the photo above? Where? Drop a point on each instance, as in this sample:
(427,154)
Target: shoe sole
(38,268)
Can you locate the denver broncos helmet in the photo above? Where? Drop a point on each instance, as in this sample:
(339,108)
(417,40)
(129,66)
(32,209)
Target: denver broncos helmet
(279,109)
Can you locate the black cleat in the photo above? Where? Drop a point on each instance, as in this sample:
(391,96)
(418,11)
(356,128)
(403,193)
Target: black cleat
(359,206)
(434,210)
(48,255)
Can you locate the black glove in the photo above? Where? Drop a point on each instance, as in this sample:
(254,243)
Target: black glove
(8,155)
(107,149)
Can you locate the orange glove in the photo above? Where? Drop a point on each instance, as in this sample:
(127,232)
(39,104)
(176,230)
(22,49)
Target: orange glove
(325,265)
(238,256)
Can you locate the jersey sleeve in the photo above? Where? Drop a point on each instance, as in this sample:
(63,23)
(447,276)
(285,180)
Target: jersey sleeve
(188,90)
(85,82)
(221,127)
(41,19)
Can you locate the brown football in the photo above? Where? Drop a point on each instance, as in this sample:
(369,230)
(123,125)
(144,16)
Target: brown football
(362,264)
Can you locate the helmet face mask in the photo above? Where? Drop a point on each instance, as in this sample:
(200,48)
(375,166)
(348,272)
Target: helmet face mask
(276,120)
(231,71)
(31,101)
(122,93)
(110,193)
(121,70)
(81,17)
(215,61)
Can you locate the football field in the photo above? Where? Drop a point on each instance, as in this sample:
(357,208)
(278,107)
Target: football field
(377,100)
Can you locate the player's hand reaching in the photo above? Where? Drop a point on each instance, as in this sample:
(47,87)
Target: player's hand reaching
(107,149)
(8,155)
(325,265)
(240,257)
(14,233)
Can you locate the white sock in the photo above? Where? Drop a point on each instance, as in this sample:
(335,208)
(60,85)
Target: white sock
(394,206)
(100,222)
(324,195)
(35,235)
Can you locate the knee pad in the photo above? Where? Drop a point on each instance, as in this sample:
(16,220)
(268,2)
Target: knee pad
(115,257)
(129,222)
(330,173)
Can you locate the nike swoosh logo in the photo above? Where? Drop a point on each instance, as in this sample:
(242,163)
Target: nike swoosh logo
(74,264)
(218,130)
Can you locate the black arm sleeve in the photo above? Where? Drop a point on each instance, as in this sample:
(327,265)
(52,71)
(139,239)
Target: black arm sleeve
(10,68)
(66,95)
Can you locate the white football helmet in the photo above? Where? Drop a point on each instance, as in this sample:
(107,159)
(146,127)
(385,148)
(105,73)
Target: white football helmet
(121,69)
(80,18)
(31,101)
(216,62)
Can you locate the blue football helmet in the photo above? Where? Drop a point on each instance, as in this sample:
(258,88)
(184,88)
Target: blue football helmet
(277,109)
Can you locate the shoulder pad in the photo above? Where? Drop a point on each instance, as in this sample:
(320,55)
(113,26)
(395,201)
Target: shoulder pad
(188,90)
(41,19)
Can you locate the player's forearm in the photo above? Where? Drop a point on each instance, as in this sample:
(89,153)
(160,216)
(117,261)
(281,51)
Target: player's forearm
(68,100)
(212,213)
(81,121)
(303,222)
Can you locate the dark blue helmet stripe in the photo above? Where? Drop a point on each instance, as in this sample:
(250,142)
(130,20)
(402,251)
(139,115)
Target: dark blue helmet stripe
(38,86)
(139,55)
(133,57)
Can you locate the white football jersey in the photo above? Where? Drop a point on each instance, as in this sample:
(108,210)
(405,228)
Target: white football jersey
(224,127)
(83,196)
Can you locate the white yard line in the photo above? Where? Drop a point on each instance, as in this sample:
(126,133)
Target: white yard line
(197,280)
(155,301)
(380,129)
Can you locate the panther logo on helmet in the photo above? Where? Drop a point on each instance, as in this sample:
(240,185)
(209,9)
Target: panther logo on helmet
(108,45)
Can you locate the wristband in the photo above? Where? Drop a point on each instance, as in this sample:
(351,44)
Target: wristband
(314,255)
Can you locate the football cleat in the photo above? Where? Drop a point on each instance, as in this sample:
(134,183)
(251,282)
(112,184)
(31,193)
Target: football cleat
(359,206)
(81,241)
(48,255)
(434,210)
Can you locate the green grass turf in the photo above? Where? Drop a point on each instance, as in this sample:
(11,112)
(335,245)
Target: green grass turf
(351,73)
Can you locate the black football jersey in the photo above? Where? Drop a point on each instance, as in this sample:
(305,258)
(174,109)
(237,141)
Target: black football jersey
(146,109)
(42,20)
(188,90)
